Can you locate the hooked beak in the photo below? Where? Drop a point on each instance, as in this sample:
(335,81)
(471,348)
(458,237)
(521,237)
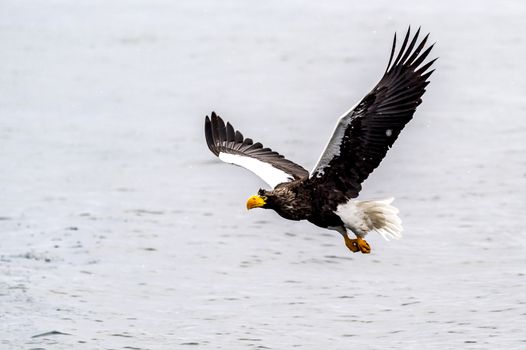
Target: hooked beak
(256,202)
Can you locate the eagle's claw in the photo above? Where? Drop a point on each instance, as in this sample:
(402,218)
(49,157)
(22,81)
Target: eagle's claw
(364,247)
(357,244)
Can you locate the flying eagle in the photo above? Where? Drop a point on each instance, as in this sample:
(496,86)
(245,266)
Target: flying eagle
(327,195)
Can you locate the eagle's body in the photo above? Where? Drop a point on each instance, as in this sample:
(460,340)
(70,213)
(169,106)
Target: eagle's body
(297,200)
(327,195)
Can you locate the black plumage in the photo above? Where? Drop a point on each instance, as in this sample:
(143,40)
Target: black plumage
(372,127)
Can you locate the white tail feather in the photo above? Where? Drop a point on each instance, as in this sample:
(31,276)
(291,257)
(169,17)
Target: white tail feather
(383,217)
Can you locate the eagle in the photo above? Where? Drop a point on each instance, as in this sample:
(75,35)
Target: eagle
(327,195)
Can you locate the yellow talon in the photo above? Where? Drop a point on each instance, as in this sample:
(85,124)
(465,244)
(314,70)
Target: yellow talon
(358,244)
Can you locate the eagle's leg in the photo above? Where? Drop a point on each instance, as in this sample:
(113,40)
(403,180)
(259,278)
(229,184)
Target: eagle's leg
(358,244)
(351,244)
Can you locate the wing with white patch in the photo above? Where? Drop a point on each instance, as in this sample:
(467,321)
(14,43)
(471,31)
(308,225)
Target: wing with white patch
(365,133)
(231,147)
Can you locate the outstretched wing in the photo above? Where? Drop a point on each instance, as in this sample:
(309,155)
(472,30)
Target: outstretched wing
(365,133)
(231,147)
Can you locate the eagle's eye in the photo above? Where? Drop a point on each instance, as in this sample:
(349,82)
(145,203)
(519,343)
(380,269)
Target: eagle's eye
(261,192)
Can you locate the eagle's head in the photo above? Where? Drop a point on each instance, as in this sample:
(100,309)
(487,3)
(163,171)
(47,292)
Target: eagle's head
(261,200)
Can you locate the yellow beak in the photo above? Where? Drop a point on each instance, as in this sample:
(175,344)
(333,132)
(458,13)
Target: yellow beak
(256,202)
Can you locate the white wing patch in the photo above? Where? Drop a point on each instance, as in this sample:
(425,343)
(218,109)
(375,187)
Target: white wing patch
(265,171)
(333,146)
